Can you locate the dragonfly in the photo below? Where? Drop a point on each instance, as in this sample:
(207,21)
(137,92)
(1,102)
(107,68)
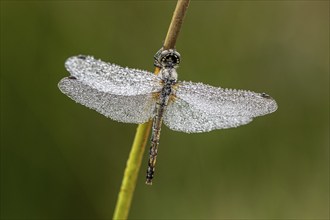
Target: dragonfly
(136,96)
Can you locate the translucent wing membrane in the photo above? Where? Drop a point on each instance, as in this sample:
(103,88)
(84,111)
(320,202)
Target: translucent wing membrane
(125,95)
(129,109)
(182,116)
(200,108)
(111,78)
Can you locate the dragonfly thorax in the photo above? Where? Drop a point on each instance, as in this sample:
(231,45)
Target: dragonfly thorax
(168,74)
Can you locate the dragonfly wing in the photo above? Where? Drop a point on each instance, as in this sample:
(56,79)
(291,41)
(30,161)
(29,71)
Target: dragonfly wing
(183,116)
(111,78)
(129,109)
(199,108)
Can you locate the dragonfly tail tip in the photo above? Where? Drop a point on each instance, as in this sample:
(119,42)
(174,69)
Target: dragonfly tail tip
(149,182)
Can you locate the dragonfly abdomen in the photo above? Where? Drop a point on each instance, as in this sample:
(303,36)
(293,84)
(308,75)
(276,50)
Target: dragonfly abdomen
(156,127)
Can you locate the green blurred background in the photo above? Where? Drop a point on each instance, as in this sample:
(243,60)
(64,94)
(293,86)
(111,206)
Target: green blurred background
(60,160)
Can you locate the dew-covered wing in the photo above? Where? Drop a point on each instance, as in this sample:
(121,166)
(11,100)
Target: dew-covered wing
(111,78)
(129,109)
(199,108)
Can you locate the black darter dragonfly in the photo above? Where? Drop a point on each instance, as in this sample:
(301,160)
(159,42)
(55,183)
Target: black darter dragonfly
(136,96)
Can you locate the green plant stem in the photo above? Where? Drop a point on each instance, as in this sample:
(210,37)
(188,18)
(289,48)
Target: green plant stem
(176,23)
(131,172)
(142,133)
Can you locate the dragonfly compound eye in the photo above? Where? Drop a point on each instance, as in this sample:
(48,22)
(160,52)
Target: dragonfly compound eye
(170,58)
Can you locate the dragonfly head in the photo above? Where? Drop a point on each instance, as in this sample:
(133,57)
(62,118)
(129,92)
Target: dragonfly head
(167,58)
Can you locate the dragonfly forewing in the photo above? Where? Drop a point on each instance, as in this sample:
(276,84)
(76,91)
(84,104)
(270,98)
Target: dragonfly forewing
(111,78)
